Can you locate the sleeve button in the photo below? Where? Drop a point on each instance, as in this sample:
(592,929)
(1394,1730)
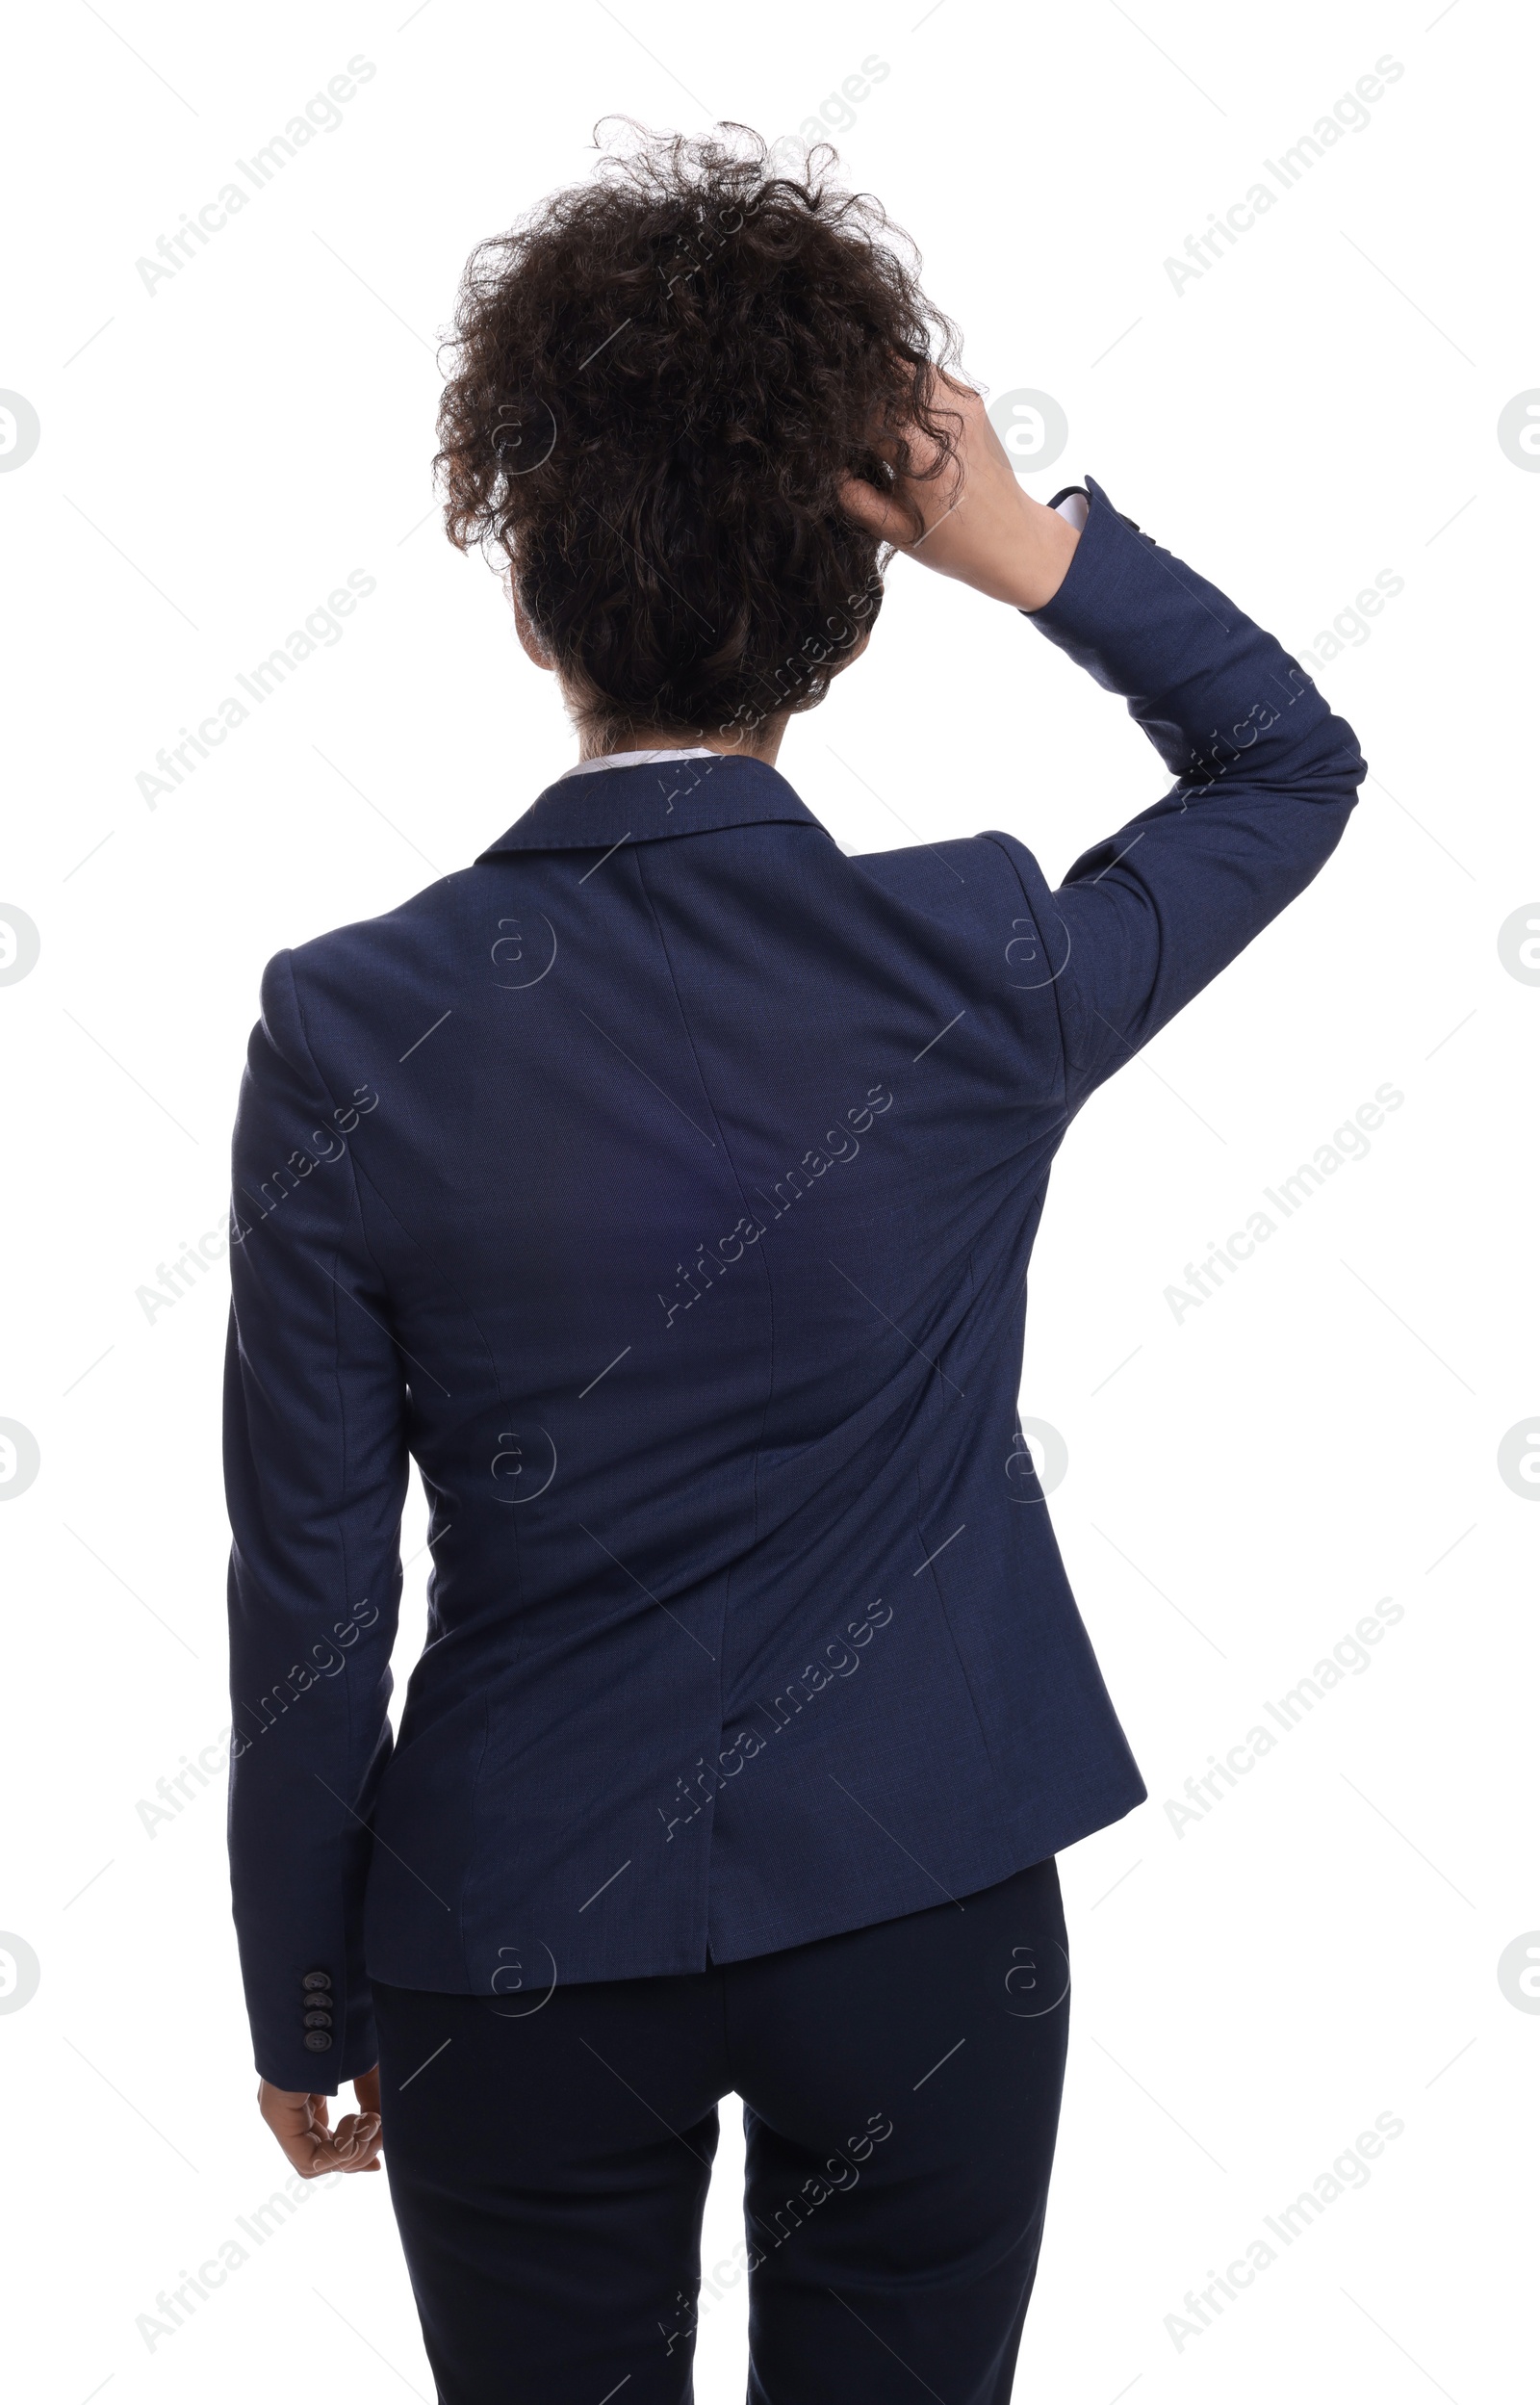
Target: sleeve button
(317,1979)
(318,2041)
(318,2020)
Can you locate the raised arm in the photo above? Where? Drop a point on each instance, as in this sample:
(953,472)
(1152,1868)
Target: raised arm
(1265,776)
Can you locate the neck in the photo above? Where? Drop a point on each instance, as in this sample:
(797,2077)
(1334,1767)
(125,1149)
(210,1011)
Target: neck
(763,744)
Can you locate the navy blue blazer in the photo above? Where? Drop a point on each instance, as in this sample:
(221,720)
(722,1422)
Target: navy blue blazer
(663,1185)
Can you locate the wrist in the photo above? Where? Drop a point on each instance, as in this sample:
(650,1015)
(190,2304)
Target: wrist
(1037,560)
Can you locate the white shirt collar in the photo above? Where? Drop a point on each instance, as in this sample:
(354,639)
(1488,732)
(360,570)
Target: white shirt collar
(635,760)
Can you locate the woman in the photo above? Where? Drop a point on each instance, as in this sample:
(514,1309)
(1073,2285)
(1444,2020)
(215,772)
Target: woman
(664,1184)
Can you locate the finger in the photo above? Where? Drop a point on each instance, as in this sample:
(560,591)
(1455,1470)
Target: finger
(879,516)
(357,2144)
(356,2152)
(324,2155)
(308,2153)
(290,2116)
(359,2153)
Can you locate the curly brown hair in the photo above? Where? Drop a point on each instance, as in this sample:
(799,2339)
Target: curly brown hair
(659,379)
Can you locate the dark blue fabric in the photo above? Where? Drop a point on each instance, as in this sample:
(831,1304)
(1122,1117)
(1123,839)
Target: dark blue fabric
(549,2153)
(665,1185)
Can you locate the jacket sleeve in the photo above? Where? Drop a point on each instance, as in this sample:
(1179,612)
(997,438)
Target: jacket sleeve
(1265,776)
(316,1465)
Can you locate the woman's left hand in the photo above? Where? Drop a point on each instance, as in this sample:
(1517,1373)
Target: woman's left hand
(300,2124)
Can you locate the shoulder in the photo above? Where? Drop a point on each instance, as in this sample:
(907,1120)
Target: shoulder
(345,978)
(367,953)
(939,875)
(424,919)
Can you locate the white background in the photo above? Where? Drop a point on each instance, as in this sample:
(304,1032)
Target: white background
(1244,1484)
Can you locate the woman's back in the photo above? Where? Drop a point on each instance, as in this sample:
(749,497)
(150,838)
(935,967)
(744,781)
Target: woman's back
(681,1232)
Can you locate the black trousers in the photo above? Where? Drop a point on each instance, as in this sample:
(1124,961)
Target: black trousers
(548,2157)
